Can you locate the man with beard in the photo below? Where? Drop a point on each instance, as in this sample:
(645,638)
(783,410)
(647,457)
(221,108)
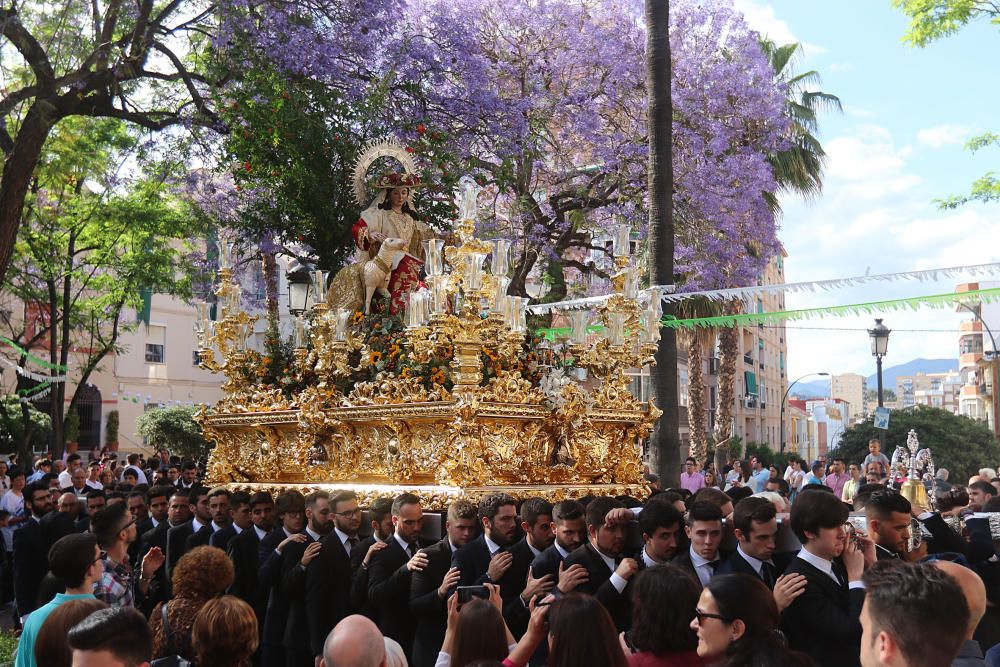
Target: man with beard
(178,513)
(220,518)
(328,576)
(662,527)
(242,550)
(519,584)
(241,520)
(30,555)
(570,531)
(296,560)
(887,515)
(430,587)
(380,515)
(290,508)
(485,560)
(177,537)
(608,574)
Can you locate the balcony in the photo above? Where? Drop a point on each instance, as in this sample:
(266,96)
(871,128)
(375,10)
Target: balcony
(748,358)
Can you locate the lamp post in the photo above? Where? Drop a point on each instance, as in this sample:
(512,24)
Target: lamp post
(298,288)
(879,335)
(995,367)
(785,397)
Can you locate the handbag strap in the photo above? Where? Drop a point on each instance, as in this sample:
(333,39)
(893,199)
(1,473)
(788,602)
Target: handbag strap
(167,632)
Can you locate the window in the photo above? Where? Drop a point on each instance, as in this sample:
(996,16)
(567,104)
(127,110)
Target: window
(194,358)
(154,353)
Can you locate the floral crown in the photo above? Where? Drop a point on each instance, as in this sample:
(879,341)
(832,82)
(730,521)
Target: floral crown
(397,180)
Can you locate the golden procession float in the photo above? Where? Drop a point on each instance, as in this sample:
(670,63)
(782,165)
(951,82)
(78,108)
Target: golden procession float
(414,371)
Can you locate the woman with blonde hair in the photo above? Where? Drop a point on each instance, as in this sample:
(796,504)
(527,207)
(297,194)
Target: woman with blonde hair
(224,633)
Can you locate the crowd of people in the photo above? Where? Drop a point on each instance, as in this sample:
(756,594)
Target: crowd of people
(744,566)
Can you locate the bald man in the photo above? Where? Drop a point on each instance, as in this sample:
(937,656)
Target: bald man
(354,642)
(970,655)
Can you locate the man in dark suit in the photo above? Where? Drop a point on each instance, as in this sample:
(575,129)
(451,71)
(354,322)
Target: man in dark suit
(380,515)
(177,537)
(887,517)
(430,587)
(61,522)
(570,530)
(661,525)
(704,530)
(139,511)
(328,576)
(220,517)
(241,519)
(823,620)
(30,552)
(243,551)
(608,574)
(178,513)
(484,560)
(290,508)
(520,584)
(297,559)
(391,570)
(96,501)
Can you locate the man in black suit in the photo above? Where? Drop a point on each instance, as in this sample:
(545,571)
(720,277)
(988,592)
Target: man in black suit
(380,515)
(887,516)
(608,574)
(823,620)
(520,584)
(178,512)
(177,537)
(391,570)
(430,587)
(242,550)
(30,552)
(96,501)
(704,530)
(241,520)
(188,478)
(297,559)
(661,525)
(570,530)
(290,509)
(328,576)
(79,483)
(139,510)
(485,560)
(220,518)
(62,521)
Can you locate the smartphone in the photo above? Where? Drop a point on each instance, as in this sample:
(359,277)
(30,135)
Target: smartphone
(852,535)
(469,593)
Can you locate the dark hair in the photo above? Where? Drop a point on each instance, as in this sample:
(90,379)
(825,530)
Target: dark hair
(261,498)
(480,633)
(904,599)
(711,495)
(70,558)
(51,648)
(29,494)
(738,493)
(121,631)
(108,523)
(386,204)
(138,494)
(744,597)
(221,491)
(567,510)
(817,487)
(813,510)
(690,459)
(598,509)
(196,492)
(490,506)
(582,633)
(186,495)
(749,510)
(984,487)
(704,511)
(224,632)
(401,500)
(532,508)
(883,503)
(72,457)
(663,603)
(658,514)
(342,497)
(817,467)
(462,509)
(380,509)
(289,502)
(782,485)
(93,495)
(954,497)
(992,505)
(239,499)
(189,465)
(130,471)
(315,497)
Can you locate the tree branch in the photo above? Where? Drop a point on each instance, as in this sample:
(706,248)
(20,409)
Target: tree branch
(28,47)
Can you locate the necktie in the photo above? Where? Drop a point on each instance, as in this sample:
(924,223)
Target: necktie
(767,574)
(411,550)
(353,542)
(713,565)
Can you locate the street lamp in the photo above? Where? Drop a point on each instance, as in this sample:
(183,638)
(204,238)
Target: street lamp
(785,397)
(879,335)
(298,288)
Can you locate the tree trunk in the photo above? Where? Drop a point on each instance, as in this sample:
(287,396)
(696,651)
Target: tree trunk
(728,352)
(664,454)
(696,399)
(269,267)
(18,169)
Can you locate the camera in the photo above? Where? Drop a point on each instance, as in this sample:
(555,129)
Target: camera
(469,593)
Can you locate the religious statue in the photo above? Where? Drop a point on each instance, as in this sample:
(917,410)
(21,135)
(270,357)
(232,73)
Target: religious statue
(390,215)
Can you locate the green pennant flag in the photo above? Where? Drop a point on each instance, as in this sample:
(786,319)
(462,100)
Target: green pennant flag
(145,312)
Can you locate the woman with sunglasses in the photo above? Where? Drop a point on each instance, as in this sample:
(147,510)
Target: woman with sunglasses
(736,620)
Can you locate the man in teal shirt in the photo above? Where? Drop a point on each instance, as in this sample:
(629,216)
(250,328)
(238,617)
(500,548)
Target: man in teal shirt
(76,561)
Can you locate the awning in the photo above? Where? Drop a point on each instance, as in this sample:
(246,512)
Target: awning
(750,378)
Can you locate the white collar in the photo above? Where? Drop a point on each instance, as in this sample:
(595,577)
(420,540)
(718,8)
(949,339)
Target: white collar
(823,565)
(649,560)
(260,532)
(196,525)
(403,543)
(534,552)
(562,552)
(755,563)
(341,535)
(237,529)
(287,532)
(216,527)
(451,545)
(491,545)
(377,538)
(313,534)
(608,560)
(155,522)
(698,561)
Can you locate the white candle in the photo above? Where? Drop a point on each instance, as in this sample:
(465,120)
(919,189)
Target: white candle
(500,294)
(434,265)
(341,318)
(616,329)
(300,332)
(468,192)
(631,290)
(500,264)
(580,319)
(225,254)
(474,271)
(319,285)
(621,239)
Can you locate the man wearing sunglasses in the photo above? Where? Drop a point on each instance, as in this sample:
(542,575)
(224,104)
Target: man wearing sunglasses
(118,586)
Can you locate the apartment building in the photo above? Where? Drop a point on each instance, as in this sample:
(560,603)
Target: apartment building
(850,388)
(978,338)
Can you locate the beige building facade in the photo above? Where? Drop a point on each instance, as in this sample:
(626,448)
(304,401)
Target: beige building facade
(850,389)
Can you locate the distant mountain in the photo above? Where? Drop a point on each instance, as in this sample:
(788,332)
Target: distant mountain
(890,374)
(821,388)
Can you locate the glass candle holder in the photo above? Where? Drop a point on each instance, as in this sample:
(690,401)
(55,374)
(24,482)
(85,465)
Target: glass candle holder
(621,239)
(468,193)
(439,295)
(225,254)
(500,262)
(301,337)
(433,257)
(579,319)
(616,328)
(319,285)
(518,315)
(473,278)
(631,287)
(341,318)
(235,296)
(501,293)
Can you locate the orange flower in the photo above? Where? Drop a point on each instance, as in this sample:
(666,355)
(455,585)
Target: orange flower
(358,318)
(375,357)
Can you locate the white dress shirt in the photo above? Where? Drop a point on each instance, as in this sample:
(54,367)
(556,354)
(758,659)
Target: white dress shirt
(825,566)
(616,579)
(648,560)
(756,564)
(562,552)
(402,543)
(702,567)
(491,545)
(260,532)
(343,537)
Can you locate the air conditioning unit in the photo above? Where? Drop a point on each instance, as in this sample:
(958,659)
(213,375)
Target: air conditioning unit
(713,365)
(749,402)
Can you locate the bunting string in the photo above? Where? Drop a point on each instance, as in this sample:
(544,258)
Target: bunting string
(24,372)
(38,361)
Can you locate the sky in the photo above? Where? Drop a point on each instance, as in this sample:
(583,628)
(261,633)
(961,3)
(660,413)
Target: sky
(898,145)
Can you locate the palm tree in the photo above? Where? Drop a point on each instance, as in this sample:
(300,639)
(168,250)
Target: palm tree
(697,341)
(799,168)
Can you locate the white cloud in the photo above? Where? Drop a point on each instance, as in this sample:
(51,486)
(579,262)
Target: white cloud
(939,136)
(762,18)
(858,112)
(840,67)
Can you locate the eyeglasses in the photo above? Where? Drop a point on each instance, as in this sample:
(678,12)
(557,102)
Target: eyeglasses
(349,514)
(102,556)
(702,615)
